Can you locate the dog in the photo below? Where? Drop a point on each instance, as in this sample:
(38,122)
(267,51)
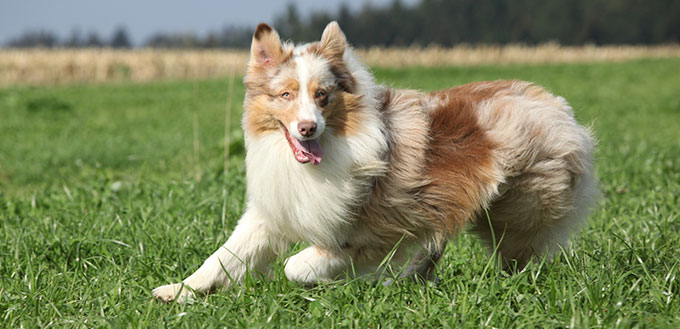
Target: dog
(369,175)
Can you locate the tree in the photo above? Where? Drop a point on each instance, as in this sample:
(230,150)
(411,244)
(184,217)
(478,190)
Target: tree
(120,39)
(75,40)
(289,23)
(32,39)
(93,40)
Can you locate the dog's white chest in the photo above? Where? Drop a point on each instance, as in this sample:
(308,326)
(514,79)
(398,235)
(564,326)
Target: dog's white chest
(301,201)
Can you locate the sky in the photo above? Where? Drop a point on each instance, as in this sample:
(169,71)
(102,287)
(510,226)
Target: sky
(143,18)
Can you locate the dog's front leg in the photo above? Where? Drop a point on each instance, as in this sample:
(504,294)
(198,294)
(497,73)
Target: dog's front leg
(250,246)
(315,264)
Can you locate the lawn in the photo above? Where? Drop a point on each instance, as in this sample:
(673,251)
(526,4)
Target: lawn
(107,191)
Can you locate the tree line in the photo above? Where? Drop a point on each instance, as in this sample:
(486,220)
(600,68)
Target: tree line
(441,22)
(48,39)
(451,22)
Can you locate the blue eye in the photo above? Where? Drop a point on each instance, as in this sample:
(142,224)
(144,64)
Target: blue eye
(285,95)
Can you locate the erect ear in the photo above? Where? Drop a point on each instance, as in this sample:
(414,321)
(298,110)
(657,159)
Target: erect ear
(333,41)
(265,51)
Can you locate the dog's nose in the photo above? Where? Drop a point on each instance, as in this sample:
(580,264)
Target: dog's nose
(307,128)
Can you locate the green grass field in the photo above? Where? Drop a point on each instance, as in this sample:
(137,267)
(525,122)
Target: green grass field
(104,196)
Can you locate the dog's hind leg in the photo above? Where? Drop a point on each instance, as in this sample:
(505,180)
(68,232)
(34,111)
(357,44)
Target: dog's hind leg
(250,246)
(537,213)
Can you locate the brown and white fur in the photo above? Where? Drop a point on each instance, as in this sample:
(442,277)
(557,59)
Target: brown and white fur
(393,173)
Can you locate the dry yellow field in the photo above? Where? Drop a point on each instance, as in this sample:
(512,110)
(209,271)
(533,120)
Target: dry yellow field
(64,66)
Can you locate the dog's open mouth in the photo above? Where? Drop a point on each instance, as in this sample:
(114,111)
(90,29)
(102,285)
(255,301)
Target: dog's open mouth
(304,151)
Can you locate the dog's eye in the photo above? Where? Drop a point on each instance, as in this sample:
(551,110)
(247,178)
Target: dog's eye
(285,95)
(320,93)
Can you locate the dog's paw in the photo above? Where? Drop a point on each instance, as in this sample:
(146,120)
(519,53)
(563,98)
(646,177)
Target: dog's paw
(177,292)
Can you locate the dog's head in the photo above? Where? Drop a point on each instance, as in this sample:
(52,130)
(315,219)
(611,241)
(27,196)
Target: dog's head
(300,92)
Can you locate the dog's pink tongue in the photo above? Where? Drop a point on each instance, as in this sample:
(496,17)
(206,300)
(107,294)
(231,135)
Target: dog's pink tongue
(312,149)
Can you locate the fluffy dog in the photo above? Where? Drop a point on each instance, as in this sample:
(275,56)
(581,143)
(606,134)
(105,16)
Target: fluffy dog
(365,173)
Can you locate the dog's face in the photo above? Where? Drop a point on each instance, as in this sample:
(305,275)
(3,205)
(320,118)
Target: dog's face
(300,92)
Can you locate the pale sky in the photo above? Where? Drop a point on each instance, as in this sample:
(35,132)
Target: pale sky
(142,18)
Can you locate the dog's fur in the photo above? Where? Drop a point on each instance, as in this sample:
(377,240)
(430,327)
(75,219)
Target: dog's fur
(401,171)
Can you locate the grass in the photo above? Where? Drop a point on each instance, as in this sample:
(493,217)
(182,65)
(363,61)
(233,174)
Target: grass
(102,199)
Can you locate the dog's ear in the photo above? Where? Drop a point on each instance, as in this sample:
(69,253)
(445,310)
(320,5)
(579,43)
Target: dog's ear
(266,50)
(333,41)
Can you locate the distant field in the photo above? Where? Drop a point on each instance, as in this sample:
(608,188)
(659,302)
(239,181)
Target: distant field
(63,66)
(109,190)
